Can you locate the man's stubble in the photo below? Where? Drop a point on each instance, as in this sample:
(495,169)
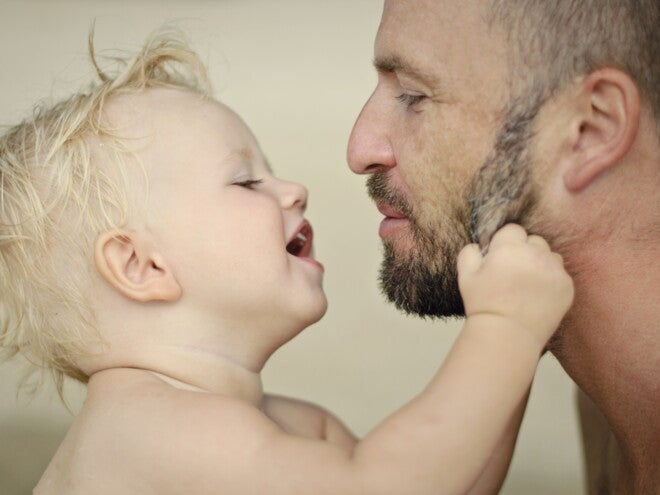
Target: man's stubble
(424,280)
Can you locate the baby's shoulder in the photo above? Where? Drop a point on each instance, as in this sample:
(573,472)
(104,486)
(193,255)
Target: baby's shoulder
(154,416)
(147,438)
(302,418)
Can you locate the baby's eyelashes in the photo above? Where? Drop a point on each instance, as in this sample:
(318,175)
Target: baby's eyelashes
(248,183)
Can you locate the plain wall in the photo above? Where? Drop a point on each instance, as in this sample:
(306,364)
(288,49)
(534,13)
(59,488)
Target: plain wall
(298,71)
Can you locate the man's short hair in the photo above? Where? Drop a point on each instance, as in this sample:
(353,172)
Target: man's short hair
(563,39)
(55,198)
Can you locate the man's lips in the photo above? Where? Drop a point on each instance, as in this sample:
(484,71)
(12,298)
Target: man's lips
(389,211)
(393,222)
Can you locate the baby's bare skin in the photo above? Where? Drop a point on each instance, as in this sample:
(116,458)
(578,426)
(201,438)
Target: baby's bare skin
(135,423)
(175,403)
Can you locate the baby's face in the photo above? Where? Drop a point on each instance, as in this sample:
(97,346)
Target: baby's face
(233,234)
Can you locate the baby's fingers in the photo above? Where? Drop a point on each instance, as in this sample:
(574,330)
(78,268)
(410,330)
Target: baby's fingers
(510,233)
(538,241)
(469,259)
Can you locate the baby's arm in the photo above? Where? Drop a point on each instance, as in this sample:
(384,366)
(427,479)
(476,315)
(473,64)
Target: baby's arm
(514,298)
(492,477)
(441,441)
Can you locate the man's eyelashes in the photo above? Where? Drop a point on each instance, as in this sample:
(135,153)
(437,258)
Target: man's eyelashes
(410,100)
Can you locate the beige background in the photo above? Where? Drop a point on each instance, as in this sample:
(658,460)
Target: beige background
(298,71)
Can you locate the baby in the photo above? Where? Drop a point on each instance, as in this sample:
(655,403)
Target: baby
(147,249)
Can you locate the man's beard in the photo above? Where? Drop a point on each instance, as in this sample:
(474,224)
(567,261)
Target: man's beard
(424,281)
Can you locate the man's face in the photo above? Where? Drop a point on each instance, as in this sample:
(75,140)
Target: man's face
(432,134)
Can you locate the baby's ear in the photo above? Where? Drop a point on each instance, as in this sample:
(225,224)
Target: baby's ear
(605,126)
(130,265)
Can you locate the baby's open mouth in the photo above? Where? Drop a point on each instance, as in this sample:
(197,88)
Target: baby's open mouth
(301,244)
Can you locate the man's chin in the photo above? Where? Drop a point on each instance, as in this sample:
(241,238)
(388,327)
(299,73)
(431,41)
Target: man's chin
(414,288)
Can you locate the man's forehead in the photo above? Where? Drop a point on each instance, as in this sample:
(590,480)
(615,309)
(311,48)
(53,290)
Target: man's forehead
(426,19)
(426,7)
(435,41)
(409,39)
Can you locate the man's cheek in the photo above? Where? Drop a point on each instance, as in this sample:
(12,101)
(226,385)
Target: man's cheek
(501,193)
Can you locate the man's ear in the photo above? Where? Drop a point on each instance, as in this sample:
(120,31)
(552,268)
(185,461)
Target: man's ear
(128,264)
(605,126)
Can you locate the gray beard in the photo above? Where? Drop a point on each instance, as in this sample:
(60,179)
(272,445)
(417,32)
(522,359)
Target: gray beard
(425,281)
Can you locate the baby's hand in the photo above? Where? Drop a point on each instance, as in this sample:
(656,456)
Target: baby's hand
(520,279)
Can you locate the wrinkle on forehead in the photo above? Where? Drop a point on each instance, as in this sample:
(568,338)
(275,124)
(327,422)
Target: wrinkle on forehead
(424,19)
(431,38)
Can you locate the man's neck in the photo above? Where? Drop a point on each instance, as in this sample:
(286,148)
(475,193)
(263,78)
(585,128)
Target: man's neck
(609,346)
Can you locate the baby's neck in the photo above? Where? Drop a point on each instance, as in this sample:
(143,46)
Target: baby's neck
(235,382)
(194,369)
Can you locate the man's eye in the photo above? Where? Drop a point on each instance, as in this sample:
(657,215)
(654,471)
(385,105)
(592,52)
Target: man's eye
(410,100)
(249,183)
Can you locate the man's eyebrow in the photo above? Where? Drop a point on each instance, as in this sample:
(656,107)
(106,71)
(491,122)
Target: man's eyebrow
(396,65)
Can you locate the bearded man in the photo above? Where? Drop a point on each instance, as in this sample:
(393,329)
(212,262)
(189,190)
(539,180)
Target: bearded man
(546,114)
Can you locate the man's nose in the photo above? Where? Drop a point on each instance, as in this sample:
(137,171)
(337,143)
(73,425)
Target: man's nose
(369,146)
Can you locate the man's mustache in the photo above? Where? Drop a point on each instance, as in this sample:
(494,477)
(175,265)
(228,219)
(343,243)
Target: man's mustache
(380,191)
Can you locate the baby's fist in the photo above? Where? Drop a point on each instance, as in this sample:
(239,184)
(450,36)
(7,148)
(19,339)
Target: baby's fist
(520,279)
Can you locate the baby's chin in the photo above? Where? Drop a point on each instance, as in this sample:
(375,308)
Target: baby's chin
(321,310)
(315,311)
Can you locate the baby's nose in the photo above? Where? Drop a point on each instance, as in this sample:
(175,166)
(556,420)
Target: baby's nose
(293,195)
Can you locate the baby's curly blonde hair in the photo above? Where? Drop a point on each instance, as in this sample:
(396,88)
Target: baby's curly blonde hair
(55,199)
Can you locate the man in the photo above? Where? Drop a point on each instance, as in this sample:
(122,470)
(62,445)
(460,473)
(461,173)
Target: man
(546,114)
